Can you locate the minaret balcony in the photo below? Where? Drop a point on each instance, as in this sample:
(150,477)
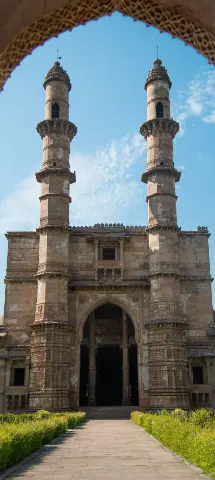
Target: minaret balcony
(159,126)
(162,169)
(57,126)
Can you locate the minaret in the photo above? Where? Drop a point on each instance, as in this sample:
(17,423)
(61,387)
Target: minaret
(51,331)
(168,374)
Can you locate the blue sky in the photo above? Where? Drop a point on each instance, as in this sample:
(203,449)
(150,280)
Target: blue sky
(108,61)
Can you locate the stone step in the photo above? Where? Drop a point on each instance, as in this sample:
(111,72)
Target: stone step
(109,412)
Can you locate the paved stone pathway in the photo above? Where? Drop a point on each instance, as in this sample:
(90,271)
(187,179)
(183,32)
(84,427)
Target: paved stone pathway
(102,450)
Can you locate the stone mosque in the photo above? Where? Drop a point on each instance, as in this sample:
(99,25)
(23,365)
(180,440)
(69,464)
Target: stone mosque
(108,315)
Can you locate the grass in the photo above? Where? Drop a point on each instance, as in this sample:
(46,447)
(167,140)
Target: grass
(21,435)
(191,435)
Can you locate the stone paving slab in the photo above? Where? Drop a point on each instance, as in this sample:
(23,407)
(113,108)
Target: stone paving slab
(102,450)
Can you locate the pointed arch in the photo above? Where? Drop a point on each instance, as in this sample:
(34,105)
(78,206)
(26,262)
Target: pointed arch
(27,27)
(159,110)
(55,110)
(108,299)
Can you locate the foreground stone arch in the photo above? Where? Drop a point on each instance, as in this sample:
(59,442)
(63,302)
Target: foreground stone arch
(27,24)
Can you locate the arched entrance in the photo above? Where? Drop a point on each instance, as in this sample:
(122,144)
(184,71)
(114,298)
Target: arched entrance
(108,358)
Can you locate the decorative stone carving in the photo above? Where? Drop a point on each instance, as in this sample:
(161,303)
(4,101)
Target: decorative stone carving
(47,308)
(60,268)
(57,73)
(159,125)
(203,229)
(57,126)
(158,72)
(166,17)
(53,222)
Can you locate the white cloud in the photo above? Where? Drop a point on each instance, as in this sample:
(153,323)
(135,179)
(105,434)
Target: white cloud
(198,100)
(106,189)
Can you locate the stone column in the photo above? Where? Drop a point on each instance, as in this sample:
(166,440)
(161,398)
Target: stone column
(92,366)
(125,390)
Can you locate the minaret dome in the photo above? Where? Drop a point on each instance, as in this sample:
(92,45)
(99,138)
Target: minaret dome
(157,86)
(57,86)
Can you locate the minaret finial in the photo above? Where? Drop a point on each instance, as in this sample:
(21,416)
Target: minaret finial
(157,51)
(58,58)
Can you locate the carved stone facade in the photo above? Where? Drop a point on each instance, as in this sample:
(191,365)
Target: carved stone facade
(108,314)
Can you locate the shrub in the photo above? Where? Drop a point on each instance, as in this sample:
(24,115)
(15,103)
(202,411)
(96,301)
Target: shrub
(20,438)
(193,437)
(180,414)
(201,417)
(41,414)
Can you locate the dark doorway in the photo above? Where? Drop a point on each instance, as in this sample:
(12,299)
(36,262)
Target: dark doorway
(198,375)
(19,376)
(109,375)
(84,353)
(133,375)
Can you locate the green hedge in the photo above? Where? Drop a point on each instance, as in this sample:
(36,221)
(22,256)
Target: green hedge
(23,437)
(190,435)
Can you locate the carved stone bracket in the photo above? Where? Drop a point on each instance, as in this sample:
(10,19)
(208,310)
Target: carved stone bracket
(48,127)
(159,125)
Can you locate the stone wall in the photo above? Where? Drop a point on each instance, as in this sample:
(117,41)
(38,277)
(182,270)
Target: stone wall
(21,286)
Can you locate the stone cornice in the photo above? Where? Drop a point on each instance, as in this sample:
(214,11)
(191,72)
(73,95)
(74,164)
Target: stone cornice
(165,323)
(199,231)
(58,125)
(51,325)
(160,169)
(193,278)
(93,285)
(108,236)
(158,227)
(159,194)
(21,235)
(159,125)
(102,230)
(48,195)
(20,276)
(43,228)
(55,171)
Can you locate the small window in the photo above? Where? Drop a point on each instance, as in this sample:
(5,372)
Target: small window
(198,375)
(19,377)
(159,110)
(55,110)
(108,253)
